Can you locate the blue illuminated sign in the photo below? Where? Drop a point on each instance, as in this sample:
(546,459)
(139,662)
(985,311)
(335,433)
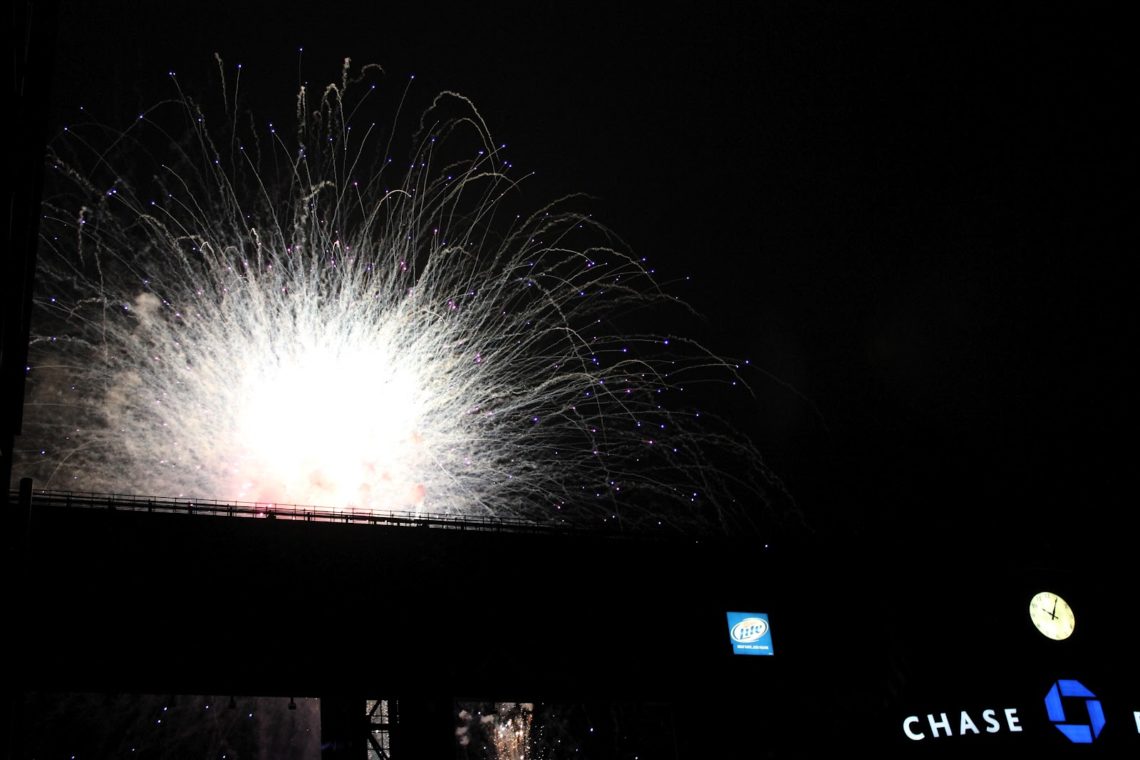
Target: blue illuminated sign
(750,633)
(942,724)
(1078,733)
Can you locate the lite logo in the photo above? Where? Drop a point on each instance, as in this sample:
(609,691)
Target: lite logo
(750,633)
(1077,733)
(749,630)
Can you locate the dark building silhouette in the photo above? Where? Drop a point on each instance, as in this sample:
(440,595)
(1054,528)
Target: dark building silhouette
(165,598)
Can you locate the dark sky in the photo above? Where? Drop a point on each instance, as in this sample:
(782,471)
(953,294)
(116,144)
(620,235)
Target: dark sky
(911,217)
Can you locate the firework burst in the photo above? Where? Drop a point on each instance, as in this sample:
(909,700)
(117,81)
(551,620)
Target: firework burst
(298,319)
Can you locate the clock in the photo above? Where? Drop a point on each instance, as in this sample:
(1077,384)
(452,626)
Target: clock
(1052,615)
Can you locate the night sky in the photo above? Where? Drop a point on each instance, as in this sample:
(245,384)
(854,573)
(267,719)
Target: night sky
(910,219)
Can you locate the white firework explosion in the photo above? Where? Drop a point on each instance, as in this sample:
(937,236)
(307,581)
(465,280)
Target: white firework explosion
(265,318)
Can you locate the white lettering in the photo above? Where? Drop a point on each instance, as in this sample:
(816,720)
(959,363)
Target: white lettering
(941,724)
(919,736)
(944,723)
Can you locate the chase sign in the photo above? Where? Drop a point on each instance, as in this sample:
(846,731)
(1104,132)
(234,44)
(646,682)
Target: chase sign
(1077,733)
(1070,707)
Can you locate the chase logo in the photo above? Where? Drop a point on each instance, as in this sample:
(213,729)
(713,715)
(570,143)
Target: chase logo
(749,630)
(1078,733)
(750,633)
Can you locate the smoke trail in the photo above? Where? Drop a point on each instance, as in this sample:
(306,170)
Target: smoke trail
(239,313)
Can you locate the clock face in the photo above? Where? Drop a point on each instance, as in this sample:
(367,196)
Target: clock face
(1052,615)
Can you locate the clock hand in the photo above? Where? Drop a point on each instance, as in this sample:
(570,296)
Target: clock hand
(1053,614)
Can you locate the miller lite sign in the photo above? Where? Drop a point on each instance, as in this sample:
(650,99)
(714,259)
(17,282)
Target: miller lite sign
(750,633)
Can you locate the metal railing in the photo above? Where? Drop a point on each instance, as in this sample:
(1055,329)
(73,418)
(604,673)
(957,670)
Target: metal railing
(270,511)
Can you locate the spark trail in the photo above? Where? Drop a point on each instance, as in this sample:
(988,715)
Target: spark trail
(270,317)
